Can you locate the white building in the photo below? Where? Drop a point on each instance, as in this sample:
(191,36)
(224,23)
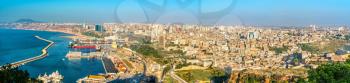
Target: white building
(55,77)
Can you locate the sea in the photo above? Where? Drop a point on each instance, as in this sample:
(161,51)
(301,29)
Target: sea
(16,45)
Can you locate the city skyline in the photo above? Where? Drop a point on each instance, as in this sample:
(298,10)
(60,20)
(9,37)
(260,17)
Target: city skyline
(174,41)
(237,12)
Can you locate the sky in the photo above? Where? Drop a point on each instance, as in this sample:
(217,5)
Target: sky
(218,12)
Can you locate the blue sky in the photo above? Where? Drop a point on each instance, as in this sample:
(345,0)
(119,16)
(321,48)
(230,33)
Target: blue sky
(241,12)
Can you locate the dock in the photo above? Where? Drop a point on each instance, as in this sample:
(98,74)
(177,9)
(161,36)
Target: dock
(108,65)
(79,55)
(41,56)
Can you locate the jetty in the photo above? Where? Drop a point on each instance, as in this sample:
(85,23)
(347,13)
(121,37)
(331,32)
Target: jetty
(41,56)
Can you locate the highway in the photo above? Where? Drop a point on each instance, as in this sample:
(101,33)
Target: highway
(42,55)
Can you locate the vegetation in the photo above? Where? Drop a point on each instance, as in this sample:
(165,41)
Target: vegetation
(169,79)
(268,76)
(146,50)
(343,37)
(347,37)
(203,75)
(92,34)
(150,52)
(219,76)
(252,78)
(14,75)
(128,64)
(182,65)
(144,41)
(279,50)
(308,47)
(166,69)
(324,46)
(326,73)
(338,36)
(331,73)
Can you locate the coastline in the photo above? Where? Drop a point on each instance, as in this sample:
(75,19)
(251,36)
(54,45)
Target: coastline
(57,60)
(72,34)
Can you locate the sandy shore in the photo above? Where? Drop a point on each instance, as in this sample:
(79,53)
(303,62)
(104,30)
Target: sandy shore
(73,34)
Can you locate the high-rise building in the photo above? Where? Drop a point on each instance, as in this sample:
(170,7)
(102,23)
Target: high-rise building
(99,28)
(252,35)
(313,27)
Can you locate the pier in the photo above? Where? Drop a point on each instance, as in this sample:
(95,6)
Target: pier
(41,56)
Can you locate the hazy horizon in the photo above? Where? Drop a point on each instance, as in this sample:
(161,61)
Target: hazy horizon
(225,12)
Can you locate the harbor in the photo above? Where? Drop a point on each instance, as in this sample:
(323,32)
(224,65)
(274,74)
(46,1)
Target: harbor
(16,48)
(42,55)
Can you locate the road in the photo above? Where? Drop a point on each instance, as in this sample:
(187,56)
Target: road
(145,68)
(143,61)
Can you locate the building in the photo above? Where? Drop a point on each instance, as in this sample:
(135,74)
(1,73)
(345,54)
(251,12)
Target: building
(55,77)
(99,28)
(93,79)
(252,35)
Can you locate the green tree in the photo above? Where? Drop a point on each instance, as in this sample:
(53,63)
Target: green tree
(330,73)
(93,34)
(308,47)
(279,50)
(347,37)
(8,74)
(147,50)
(188,76)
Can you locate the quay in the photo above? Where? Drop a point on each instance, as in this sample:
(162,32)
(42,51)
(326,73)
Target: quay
(79,55)
(108,65)
(41,56)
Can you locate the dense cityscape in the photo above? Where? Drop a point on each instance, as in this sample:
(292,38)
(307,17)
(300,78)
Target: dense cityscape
(196,53)
(174,41)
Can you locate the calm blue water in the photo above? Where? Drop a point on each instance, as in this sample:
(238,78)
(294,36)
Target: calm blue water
(17,45)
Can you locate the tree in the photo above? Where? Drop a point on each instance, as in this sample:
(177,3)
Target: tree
(279,50)
(347,61)
(308,47)
(166,70)
(188,76)
(219,76)
(8,74)
(330,73)
(347,37)
(146,50)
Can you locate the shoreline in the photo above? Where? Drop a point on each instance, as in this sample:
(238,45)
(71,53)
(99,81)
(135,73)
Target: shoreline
(89,67)
(71,35)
